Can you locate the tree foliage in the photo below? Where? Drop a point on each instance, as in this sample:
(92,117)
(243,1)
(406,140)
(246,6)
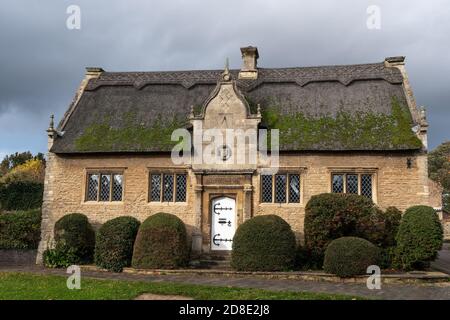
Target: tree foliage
(439,170)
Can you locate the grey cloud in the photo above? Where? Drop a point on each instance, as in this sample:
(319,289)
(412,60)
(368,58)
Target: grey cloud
(42,62)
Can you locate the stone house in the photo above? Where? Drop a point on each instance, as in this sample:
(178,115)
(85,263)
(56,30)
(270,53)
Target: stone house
(346,129)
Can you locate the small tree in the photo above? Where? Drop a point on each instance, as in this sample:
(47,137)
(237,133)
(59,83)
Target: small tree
(419,238)
(439,170)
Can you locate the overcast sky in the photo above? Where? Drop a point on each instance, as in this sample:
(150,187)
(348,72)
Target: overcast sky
(42,61)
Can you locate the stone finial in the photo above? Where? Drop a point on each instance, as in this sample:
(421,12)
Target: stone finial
(423,116)
(226,72)
(51,128)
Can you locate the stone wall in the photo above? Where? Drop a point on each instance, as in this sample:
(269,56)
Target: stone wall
(394,185)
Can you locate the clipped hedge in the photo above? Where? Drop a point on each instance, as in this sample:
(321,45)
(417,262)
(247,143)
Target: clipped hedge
(263,243)
(74,234)
(161,242)
(20,230)
(419,238)
(21,195)
(330,216)
(350,256)
(114,243)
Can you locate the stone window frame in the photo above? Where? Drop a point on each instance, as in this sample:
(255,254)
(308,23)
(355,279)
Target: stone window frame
(162,172)
(359,172)
(102,171)
(287,172)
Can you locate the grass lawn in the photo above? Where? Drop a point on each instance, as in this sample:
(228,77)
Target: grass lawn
(51,287)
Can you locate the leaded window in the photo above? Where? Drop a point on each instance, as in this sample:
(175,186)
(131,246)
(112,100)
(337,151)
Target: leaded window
(117,187)
(155,187)
(168,187)
(92,187)
(366,185)
(266,188)
(280,188)
(104,186)
(354,183)
(338,183)
(294,188)
(180,195)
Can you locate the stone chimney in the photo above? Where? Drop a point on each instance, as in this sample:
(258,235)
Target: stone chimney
(249,59)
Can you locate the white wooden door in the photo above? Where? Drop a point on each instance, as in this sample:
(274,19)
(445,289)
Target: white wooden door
(223,223)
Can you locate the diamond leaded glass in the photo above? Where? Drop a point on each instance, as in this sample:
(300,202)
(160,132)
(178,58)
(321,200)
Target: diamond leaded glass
(105,186)
(168,187)
(294,188)
(155,189)
(92,188)
(280,188)
(366,185)
(352,183)
(266,188)
(338,183)
(180,195)
(117,187)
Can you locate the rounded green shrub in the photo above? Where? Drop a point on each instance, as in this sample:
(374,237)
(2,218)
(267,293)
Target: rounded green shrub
(329,216)
(350,256)
(161,242)
(73,233)
(114,243)
(263,243)
(419,238)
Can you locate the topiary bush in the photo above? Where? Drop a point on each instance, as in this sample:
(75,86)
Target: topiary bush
(350,256)
(114,243)
(263,243)
(74,234)
(161,242)
(20,230)
(419,238)
(21,195)
(329,216)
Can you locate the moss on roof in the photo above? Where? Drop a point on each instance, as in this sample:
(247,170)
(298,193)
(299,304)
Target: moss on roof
(131,136)
(350,131)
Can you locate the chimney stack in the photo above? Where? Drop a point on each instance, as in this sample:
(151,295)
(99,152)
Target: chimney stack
(249,59)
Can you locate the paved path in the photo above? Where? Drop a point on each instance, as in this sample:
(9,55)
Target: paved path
(388,291)
(442,263)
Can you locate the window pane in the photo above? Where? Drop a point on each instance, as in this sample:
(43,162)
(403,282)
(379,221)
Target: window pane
(294,188)
(352,183)
(105,185)
(181,188)
(266,188)
(92,188)
(366,185)
(168,187)
(338,183)
(155,188)
(117,187)
(280,188)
